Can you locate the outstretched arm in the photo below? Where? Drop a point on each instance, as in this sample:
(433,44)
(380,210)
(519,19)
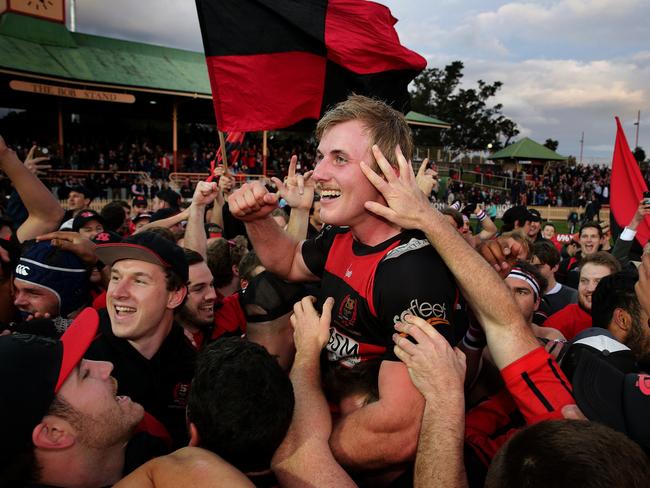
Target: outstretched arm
(195,237)
(304,458)
(44,211)
(438,372)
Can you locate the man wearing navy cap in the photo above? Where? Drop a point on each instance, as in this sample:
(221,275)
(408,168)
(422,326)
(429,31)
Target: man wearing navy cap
(48,280)
(154,362)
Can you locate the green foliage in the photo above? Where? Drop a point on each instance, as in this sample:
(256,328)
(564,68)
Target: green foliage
(552,144)
(474,123)
(639,154)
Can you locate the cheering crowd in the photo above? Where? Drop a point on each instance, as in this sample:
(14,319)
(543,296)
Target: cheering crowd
(328,329)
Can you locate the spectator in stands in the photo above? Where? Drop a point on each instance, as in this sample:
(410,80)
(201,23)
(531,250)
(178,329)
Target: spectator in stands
(89,223)
(590,240)
(534,233)
(166,199)
(140,205)
(50,282)
(548,231)
(556,295)
(617,309)
(576,317)
(115,217)
(196,315)
(517,217)
(526,284)
(79,199)
(154,362)
(64,425)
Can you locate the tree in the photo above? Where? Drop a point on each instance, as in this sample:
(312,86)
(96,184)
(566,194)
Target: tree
(552,144)
(639,154)
(474,124)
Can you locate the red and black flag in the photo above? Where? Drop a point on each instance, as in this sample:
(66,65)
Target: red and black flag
(233,148)
(275,63)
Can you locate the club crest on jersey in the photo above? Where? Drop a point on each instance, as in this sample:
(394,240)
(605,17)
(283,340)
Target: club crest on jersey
(347,312)
(181,393)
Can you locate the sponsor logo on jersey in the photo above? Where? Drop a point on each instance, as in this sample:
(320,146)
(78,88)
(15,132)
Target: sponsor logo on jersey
(348,272)
(341,347)
(347,312)
(181,393)
(412,245)
(22,270)
(423,310)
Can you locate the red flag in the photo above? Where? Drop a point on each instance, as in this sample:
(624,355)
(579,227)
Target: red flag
(233,147)
(627,186)
(276,63)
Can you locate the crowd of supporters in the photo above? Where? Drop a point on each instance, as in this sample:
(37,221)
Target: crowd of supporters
(331,328)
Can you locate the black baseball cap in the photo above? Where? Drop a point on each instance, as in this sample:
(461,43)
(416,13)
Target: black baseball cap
(620,401)
(142,216)
(107,237)
(140,201)
(148,247)
(85,216)
(535,216)
(32,371)
(272,294)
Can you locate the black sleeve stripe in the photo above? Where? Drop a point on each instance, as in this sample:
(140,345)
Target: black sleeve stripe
(557,375)
(537,393)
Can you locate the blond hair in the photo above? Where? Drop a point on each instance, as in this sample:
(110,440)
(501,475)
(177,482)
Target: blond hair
(386,126)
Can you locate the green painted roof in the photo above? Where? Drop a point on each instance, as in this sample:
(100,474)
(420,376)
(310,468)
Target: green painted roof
(527,149)
(421,119)
(49,49)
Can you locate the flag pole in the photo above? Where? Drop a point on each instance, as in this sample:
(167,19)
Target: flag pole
(265,152)
(224,155)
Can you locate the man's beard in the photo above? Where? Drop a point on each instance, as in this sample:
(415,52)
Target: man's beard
(191,318)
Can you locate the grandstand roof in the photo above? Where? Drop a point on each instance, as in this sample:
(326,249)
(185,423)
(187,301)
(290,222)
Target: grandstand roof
(527,149)
(417,118)
(39,47)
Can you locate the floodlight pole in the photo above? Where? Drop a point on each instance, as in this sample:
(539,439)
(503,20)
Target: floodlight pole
(638,124)
(582,143)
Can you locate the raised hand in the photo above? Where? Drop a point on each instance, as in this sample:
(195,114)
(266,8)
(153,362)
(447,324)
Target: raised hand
(427,179)
(32,163)
(311,331)
(407,205)
(297,189)
(437,370)
(252,202)
(205,193)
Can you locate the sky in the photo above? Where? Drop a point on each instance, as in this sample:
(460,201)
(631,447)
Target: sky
(568,66)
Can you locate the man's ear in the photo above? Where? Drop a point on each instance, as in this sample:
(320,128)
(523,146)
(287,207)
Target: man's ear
(555,268)
(235,270)
(195,438)
(622,320)
(53,433)
(176,297)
